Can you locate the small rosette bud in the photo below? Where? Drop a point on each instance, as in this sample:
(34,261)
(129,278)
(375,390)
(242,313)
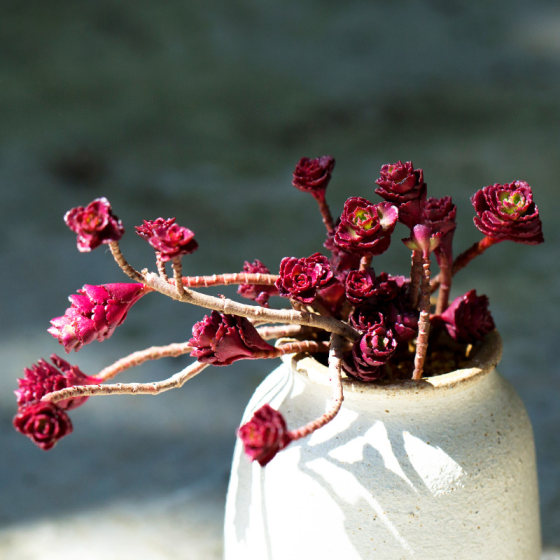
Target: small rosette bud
(468,318)
(422,239)
(95,313)
(313,175)
(264,435)
(42,378)
(169,239)
(43,422)
(301,278)
(360,285)
(221,339)
(439,216)
(257,292)
(365,228)
(507,212)
(404,186)
(95,224)
(372,351)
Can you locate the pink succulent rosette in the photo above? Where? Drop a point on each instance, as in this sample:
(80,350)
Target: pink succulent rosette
(169,239)
(370,353)
(301,278)
(256,292)
(313,175)
(365,228)
(42,378)
(221,339)
(360,285)
(95,313)
(43,422)
(468,318)
(404,186)
(95,224)
(507,212)
(264,435)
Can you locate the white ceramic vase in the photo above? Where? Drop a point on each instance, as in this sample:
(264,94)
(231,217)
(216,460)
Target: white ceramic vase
(438,469)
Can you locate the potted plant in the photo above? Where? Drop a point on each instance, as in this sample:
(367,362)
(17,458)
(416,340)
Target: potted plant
(431,454)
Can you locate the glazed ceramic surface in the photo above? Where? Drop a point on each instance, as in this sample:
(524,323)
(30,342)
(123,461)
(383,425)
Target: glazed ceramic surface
(443,468)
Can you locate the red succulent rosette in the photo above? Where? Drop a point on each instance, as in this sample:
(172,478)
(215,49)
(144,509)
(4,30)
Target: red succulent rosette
(43,422)
(256,292)
(95,313)
(365,228)
(404,186)
(95,224)
(221,339)
(468,318)
(360,285)
(42,378)
(301,278)
(372,351)
(264,435)
(169,239)
(439,215)
(313,175)
(507,212)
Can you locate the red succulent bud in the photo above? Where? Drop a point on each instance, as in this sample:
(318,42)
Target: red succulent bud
(370,353)
(43,422)
(43,378)
(365,228)
(95,313)
(439,215)
(422,239)
(168,238)
(95,224)
(221,339)
(264,435)
(507,212)
(300,278)
(468,318)
(313,175)
(257,292)
(360,285)
(404,186)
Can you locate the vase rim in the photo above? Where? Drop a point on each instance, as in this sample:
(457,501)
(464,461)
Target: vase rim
(485,358)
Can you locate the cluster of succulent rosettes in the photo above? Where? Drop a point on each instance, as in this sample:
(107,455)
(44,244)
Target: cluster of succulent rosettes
(95,313)
(507,212)
(168,238)
(221,339)
(44,422)
(95,224)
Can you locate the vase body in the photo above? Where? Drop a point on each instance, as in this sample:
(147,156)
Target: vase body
(443,468)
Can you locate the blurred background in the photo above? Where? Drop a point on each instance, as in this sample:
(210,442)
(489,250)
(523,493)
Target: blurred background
(184,109)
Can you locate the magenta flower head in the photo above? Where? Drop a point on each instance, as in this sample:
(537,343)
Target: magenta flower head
(301,278)
(43,422)
(360,285)
(95,313)
(439,215)
(95,224)
(264,435)
(468,318)
(42,378)
(507,212)
(365,228)
(257,292)
(404,186)
(169,239)
(221,339)
(370,353)
(313,175)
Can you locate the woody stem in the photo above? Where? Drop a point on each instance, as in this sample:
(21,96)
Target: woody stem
(423,321)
